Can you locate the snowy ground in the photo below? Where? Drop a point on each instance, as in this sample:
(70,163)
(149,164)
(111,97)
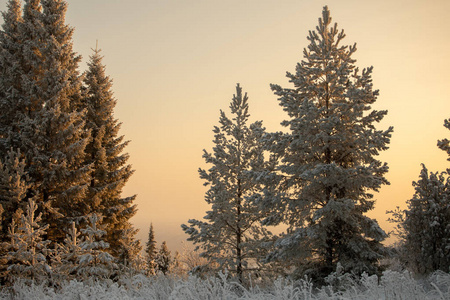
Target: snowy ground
(393,285)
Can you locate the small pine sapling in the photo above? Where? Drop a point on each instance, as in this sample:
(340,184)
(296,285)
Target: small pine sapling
(95,261)
(27,249)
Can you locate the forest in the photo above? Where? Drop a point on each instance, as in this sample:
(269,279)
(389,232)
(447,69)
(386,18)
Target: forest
(65,228)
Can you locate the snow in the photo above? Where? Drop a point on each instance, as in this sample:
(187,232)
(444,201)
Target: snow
(392,285)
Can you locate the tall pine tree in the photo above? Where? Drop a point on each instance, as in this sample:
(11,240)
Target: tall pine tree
(40,87)
(327,169)
(104,152)
(232,228)
(54,135)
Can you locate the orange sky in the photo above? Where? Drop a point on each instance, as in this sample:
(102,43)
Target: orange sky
(175,64)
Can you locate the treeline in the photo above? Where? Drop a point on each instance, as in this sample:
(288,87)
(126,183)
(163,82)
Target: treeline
(317,178)
(63,165)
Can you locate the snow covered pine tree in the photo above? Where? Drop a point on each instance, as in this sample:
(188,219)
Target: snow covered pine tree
(327,166)
(39,86)
(427,219)
(110,170)
(232,230)
(163,259)
(27,249)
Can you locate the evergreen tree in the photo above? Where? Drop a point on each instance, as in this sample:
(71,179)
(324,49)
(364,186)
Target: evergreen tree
(151,251)
(327,167)
(27,249)
(66,263)
(57,156)
(232,230)
(110,170)
(95,261)
(42,88)
(427,219)
(129,249)
(423,228)
(163,259)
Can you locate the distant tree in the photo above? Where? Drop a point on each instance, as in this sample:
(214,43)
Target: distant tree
(27,249)
(110,170)
(232,231)
(328,170)
(163,259)
(151,251)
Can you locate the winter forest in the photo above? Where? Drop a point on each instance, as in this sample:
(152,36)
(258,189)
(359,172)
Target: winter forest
(287,213)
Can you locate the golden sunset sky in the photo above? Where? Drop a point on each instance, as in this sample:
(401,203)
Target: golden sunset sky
(175,64)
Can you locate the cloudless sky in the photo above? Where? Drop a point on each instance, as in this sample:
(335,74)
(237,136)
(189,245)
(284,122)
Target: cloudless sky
(175,64)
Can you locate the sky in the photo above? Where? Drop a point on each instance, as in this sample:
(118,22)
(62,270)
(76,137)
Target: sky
(175,65)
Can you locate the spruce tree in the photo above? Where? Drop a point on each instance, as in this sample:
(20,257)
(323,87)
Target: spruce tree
(69,254)
(104,152)
(27,249)
(43,122)
(56,129)
(328,170)
(130,248)
(231,231)
(151,251)
(95,261)
(163,259)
